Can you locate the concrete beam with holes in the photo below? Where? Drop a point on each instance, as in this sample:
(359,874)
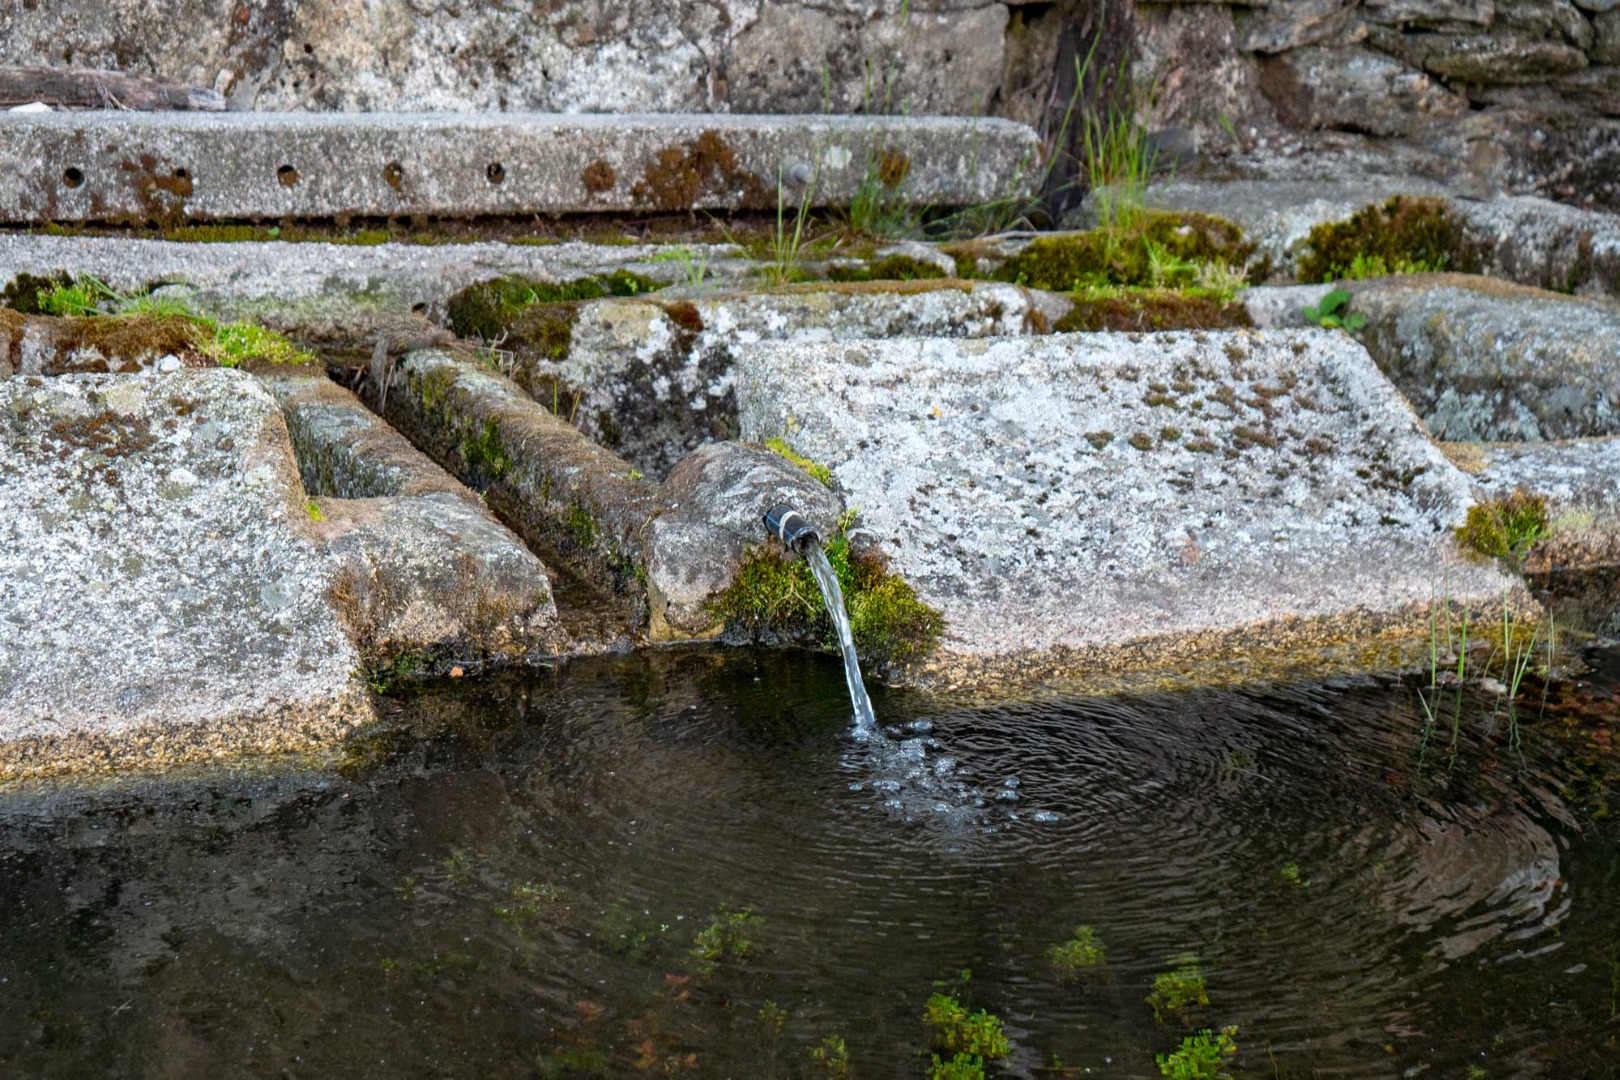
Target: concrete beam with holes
(139,167)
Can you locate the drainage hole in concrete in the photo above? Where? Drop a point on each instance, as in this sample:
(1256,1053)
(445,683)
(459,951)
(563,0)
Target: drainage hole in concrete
(182,174)
(72,176)
(394,174)
(496,172)
(287,175)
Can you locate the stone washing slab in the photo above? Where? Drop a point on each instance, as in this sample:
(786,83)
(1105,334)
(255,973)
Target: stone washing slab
(337,292)
(421,570)
(162,598)
(1090,502)
(122,167)
(651,379)
(1579,479)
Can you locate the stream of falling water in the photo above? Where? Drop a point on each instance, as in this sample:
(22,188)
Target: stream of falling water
(865,721)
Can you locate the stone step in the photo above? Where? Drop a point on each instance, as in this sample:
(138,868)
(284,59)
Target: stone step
(1085,504)
(140,167)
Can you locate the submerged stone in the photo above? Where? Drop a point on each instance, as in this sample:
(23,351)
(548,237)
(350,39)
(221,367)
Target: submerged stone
(164,598)
(1082,502)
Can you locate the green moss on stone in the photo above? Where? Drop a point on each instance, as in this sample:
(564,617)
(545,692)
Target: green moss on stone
(1404,234)
(814,468)
(485,310)
(895,267)
(1505,528)
(485,458)
(1149,310)
(582,528)
(774,596)
(1162,249)
(25,292)
(246,344)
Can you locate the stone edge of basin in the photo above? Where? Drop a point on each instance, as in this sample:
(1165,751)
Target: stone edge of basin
(136,167)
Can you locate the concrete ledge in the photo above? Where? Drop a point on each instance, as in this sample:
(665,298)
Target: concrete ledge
(123,167)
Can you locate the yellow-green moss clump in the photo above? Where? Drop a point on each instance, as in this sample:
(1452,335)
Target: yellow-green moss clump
(1404,235)
(1151,309)
(814,468)
(487,309)
(1160,250)
(238,344)
(777,598)
(1505,528)
(895,267)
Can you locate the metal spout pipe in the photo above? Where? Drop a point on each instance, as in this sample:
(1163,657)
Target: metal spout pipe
(790,527)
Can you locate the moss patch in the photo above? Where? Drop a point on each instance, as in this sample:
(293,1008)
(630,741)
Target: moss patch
(775,597)
(814,468)
(1405,234)
(1151,309)
(487,309)
(247,344)
(26,292)
(1505,528)
(1160,250)
(485,458)
(895,267)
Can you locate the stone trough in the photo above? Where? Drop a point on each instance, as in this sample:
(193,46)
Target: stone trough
(139,167)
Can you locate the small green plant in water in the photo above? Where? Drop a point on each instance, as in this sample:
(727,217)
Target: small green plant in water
(725,938)
(830,1058)
(1333,313)
(814,468)
(1505,528)
(1203,1056)
(1178,991)
(772,1017)
(1288,876)
(1081,953)
(952,1027)
(529,903)
(960,1067)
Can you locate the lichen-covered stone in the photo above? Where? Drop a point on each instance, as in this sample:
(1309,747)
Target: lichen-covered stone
(652,379)
(1357,89)
(1080,501)
(1483,360)
(716,498)
(164,599)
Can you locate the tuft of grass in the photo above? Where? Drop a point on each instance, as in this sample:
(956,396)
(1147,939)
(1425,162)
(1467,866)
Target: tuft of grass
(83,296)
(1179,990)
(1202,1056)
(783,265)
(1119,159)
(1081,953)
(1505,528)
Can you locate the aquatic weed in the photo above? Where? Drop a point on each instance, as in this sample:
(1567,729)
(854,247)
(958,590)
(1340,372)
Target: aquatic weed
(725,938)
(1179,990)
(1202,1056)
(960,1067)
(1079,954)
(830,1058)
(1288,876)
(953,1028)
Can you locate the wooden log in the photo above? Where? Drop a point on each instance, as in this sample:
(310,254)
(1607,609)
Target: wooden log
(80,88)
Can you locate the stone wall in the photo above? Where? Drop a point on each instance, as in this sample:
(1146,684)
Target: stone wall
(1515,94)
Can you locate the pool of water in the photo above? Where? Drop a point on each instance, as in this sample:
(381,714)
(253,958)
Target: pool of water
(680,864)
